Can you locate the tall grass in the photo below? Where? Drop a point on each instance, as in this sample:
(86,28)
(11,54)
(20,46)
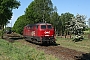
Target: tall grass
(18,51)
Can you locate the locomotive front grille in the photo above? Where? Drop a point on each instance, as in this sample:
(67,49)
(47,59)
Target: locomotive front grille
(47,38)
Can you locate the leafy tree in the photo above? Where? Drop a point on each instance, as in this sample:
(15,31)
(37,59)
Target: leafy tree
(64,18)
(20,23)
(39,10)
(77,25)
(6,7)
(55,21)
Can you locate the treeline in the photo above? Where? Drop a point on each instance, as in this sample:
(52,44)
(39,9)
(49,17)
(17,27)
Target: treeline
(44,11)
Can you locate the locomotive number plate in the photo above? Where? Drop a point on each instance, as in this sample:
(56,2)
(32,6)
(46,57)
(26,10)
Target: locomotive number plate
(47,32)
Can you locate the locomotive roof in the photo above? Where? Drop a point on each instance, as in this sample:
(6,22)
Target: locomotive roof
(41,23)
(36,24)
(30,25)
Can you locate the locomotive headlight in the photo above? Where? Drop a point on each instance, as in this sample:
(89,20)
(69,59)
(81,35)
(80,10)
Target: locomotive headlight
(46,35)
(51,35)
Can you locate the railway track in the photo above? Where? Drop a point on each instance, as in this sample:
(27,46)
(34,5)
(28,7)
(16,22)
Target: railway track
(56,50)
(12,37)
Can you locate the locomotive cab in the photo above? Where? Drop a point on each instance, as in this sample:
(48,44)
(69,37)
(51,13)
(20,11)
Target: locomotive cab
(46,30)
(46,33)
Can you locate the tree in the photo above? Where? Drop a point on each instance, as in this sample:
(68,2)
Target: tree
(20,23)
(77,25)
(64,19)
(39,10)
(6,7)
(55,21)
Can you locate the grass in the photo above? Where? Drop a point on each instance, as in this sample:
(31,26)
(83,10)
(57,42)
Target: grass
(83,45)
(19,51)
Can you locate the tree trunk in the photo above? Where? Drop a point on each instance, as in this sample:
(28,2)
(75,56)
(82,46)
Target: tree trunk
(65,34)
(2,32)
(89,36)
(56,32)
(70,35)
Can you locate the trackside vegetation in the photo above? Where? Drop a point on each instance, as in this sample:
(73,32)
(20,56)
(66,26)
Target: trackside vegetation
(19,51)
(83,46)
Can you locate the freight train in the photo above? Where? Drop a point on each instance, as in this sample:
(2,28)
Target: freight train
(39,33)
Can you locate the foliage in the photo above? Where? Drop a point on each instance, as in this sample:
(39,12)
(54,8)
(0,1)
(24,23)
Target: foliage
(20,23)
(64,19)
(19,51)
(88,28)
(55,21)
(1,33)
(37,11)
(8,30)
(89,22)
(6,7)
(77,25)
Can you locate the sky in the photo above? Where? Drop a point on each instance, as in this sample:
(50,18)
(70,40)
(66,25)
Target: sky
(72,6)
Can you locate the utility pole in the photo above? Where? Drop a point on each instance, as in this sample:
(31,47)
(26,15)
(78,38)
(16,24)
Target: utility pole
(44,12)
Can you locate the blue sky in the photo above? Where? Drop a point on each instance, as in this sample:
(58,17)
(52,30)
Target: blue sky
(63,6)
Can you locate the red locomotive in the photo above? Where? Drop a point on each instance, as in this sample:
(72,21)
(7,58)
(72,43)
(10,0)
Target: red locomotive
(39,33)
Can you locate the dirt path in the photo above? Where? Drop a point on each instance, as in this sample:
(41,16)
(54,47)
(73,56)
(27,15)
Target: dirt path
(61,52)
(57,51)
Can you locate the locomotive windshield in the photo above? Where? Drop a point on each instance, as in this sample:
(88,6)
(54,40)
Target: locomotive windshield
(49,26)
(43,26)
(46,26)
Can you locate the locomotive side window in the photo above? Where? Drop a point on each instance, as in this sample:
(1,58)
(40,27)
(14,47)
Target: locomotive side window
(43,26)
(36,26)
(30,27)
(26,27)
(49,26)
